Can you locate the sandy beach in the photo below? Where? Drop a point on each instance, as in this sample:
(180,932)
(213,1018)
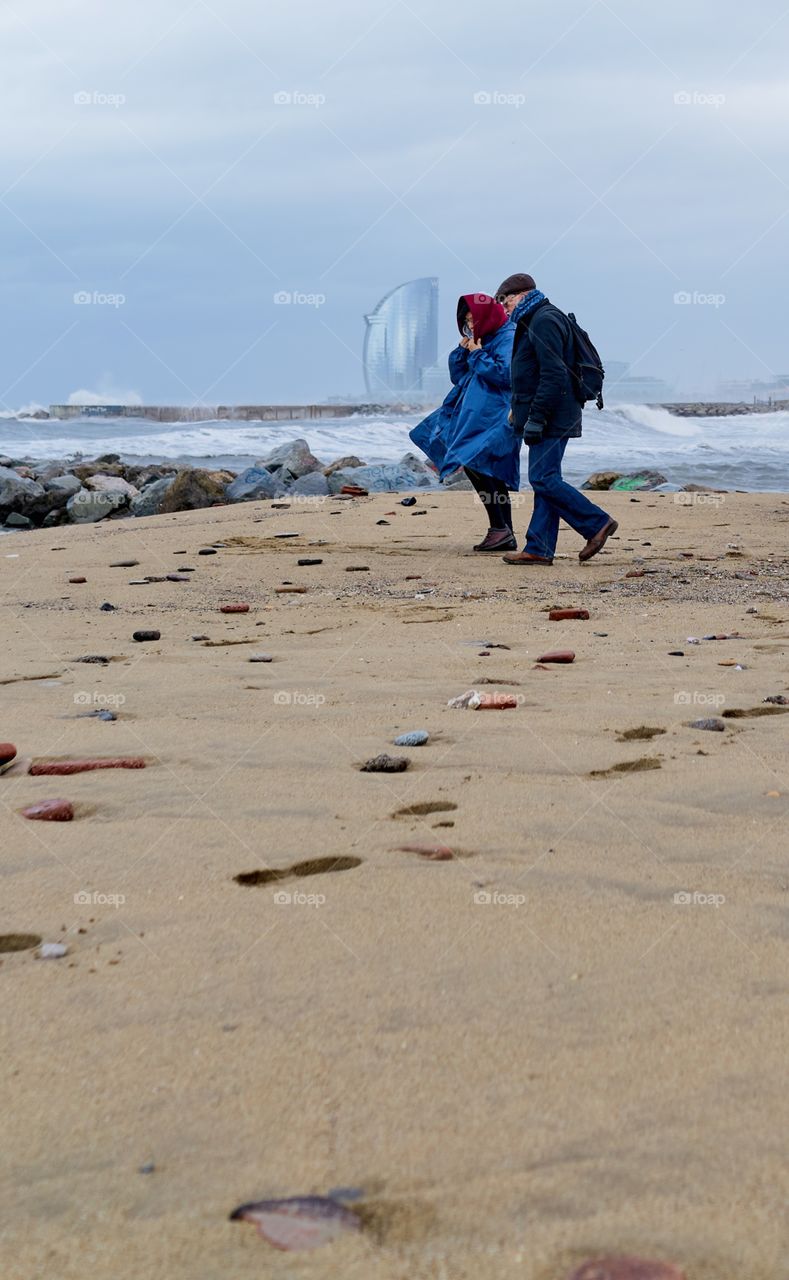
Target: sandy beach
(567,1040)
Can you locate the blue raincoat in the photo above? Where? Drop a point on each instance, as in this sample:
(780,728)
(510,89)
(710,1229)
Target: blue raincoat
(471,428)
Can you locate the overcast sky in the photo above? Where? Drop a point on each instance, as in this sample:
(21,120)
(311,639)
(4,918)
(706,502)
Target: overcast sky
(197,159)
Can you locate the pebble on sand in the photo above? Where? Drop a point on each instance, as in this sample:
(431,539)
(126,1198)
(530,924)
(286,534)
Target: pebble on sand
(566,615)
(51,951)
(433,852)
(50,811)
(207,551)
(7,754)
(473,700)
(143,636)
(300,1222)
(290,591)
(354,491)
(558,655)
(408,502)
(626,1268)
(234,608)
(712,723)
(261,657)
(124,564)
(306,561)
(77,580)
(41,768)
(415,738)
(385,764)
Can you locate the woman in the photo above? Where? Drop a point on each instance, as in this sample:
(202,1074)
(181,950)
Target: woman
(471,429)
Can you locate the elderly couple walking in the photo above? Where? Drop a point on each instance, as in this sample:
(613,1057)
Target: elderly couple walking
(512,380)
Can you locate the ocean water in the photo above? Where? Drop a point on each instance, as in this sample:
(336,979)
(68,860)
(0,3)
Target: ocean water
(748,452)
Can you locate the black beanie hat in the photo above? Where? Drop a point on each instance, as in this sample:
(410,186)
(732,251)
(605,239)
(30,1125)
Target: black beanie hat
(519,283)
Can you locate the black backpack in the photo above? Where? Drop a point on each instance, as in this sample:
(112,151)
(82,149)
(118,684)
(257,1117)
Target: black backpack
(587,372)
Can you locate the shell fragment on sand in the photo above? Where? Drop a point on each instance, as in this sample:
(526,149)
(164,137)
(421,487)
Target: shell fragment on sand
(51,951)
(50,811)
(473,700)
(300,1222)
(40,768)
(622,1268)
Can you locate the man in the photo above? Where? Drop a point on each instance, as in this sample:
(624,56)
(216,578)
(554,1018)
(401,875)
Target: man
(548,414)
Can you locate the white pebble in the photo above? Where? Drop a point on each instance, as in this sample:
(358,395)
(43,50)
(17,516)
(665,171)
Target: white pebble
(52,951)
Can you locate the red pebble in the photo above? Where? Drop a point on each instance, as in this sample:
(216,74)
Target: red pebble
(75,580)
(234,608)
(561,655)
(41,767)
(50,811)
(7,752)
(354,490)
(290,591)
(497,701)
(627,1269)
(434,852)
(563,615)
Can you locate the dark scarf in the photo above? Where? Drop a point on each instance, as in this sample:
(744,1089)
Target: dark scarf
(528,304)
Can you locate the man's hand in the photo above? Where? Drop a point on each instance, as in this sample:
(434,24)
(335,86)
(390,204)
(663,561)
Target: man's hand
(533,432)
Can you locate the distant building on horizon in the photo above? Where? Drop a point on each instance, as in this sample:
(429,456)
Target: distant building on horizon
(753,389)
(401,341)
(632,389)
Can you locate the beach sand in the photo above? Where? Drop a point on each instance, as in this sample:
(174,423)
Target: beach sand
(577,1065)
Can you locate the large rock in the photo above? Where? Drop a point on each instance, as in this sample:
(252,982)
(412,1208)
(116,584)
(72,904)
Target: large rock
(458,480)
(87,507)
(382,477)
(314,485)
(636,480)
(57,492)
(291,460)
(601,479)
(254,483)
(111,484)
(343,464)
(17,493)
(192,489)
(84,470)
(149,502)
(14,521)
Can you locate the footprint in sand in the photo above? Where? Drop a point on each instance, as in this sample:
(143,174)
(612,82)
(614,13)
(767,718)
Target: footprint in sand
(628,766)
(425,807)
(18,941)
(642,734)
(741,713)
(311,867)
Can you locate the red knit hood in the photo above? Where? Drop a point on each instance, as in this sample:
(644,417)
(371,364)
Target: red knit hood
(488,314)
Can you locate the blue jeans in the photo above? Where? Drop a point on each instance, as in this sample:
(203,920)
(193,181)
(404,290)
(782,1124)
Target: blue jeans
(555,500)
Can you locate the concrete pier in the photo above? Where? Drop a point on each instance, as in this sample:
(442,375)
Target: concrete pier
(230,413)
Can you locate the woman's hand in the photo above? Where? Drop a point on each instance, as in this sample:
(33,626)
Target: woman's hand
(464,343)
(473,345)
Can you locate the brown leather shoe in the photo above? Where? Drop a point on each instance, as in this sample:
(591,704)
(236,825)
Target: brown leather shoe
(597,543)
(497,540)
(525,557)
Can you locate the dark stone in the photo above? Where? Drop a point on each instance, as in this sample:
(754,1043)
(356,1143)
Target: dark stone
(142,636)
(385,764)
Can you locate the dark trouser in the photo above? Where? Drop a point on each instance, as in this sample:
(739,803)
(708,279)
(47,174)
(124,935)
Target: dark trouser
(555,499)
(495,497)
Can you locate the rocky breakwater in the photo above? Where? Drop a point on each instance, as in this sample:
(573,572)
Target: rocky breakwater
(54,493)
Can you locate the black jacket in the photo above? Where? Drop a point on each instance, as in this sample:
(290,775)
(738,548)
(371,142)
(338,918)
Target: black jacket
(542,388)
